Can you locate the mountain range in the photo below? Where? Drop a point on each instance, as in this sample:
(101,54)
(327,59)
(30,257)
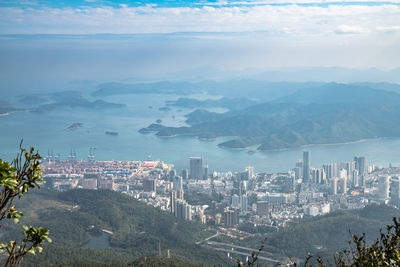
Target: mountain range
(331,113)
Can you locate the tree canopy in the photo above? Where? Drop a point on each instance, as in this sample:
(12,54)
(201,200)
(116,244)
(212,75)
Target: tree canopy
(16,179)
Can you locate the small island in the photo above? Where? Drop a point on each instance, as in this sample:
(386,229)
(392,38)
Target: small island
(159,121)
(74,126)
(164,109)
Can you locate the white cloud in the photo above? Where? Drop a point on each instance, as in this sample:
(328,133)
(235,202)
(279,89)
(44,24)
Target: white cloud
(388,29)
(350,29)
(280,20)
(273,2)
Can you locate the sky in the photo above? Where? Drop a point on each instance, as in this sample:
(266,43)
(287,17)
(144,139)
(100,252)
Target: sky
(93,39)
(319,18)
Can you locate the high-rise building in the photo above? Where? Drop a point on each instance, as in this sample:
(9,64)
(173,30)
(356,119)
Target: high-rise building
(342,173)
(322,175)
(202,216)
(149,185)
(206,172)
(290,184)
(244,186)
(218,218)
(235,201)
(383,187)
(355,179)
(243,203)
(362,180)
(231,217)
(318,176)
(342,181)
(183,210)
(172,200)
(196,168)
(330,170)
(249,173)
(326,169)
(299,165)
(175,196)
(106,184)
(185,174)
(349,166)
(306,166)
(361,165)
(171,174)
(180,194)
(177,183)
(334,185)
(297,172)
(89,183)
(343,184)
(313,175)
(395,191)
(263,208)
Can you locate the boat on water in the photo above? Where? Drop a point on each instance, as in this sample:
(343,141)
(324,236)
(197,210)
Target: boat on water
(112,133)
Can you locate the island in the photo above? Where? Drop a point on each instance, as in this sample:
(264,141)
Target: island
(73,99)
(332,113)
(6,108)
(164,109)
(74,126)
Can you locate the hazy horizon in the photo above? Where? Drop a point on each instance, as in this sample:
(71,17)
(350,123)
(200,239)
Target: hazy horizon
(46,44)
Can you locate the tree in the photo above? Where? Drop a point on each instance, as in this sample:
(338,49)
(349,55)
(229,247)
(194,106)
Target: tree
(383,252)
(16,179)
(251,261)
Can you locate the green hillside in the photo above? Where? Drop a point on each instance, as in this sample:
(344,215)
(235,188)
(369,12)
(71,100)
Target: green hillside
(323,235)
(76,216)
(328,234)
(333,113)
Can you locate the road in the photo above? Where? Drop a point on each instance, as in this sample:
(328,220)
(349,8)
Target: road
(244,254)
(208,238)
(230,245)
(213,245)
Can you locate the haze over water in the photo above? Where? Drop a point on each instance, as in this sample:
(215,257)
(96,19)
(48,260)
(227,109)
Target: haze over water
(47,43)
(47,131)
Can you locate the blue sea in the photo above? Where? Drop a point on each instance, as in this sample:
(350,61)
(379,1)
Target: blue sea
(47,132)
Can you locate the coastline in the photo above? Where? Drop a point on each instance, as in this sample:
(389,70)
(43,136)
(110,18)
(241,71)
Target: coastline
(325,144)
(252,147)
(5,114)
(255,148)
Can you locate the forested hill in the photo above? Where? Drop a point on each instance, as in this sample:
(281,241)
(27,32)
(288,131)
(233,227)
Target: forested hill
(332,113)
(326,235)
(74,217)
(323,235)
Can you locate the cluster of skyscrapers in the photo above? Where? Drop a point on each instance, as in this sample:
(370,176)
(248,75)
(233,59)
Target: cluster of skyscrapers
(338,176)
(178,206)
